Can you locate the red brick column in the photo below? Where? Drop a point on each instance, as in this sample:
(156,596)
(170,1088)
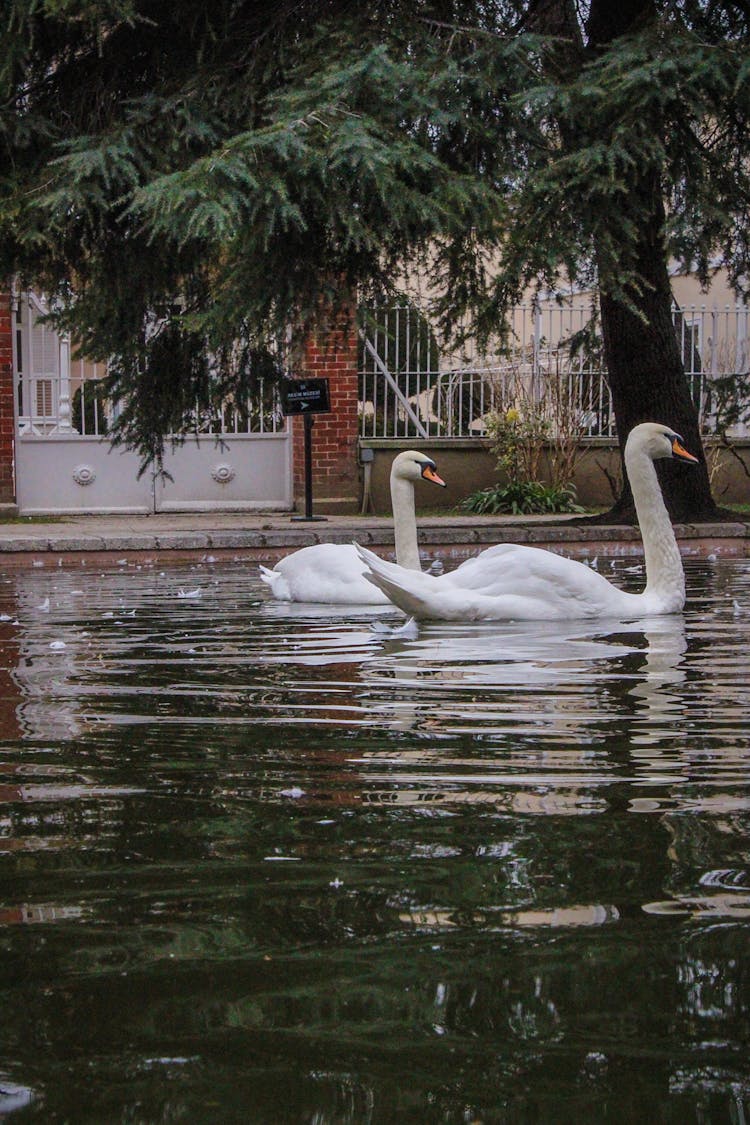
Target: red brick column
(7,422)
(331,354)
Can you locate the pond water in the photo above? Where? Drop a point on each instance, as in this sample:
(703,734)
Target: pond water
(262,863)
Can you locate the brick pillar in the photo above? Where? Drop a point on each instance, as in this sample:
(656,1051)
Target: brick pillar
(331,353)
(7,421)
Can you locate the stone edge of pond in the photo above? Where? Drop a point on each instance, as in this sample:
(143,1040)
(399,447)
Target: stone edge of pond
(439,538)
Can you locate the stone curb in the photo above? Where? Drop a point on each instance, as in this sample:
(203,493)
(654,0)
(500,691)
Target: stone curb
(282,540)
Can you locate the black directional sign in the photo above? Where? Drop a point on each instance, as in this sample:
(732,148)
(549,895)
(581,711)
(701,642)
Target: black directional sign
(305,396)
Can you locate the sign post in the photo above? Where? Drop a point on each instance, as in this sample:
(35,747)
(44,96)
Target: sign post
(306,397)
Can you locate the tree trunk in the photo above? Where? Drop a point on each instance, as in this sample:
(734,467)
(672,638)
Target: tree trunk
(646,373)
(647,378)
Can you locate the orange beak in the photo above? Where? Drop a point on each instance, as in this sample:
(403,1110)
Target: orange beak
(428,473)
(679,451)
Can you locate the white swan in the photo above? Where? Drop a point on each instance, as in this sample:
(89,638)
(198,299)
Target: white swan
(333,573)
(510,582)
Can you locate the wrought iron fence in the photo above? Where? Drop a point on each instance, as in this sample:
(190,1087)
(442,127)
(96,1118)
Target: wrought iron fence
(59,391)
(409,386)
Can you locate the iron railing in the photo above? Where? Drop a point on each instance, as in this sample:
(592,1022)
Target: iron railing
(409,386)
(61,393)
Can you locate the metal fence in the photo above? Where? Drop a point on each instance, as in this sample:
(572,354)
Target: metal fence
(58,391)
(412,387)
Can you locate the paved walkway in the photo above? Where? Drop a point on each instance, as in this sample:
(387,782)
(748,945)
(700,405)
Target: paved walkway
(268,536)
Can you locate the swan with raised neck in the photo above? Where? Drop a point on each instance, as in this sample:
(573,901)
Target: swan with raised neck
(333,573)
(665,577)
(514,582)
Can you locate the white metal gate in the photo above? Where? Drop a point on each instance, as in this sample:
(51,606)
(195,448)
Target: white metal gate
(65,463)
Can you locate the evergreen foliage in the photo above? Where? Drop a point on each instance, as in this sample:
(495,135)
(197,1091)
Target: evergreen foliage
(191,179)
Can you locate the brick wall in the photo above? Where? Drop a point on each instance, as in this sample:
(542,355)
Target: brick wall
(7,426)
(332,354)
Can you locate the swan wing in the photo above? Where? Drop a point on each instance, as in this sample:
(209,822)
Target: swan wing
(554,585)
(430,597)
(507,582)
(328,573)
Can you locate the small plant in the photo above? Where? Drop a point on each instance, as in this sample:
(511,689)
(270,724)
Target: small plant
(542,420)
(523,498)
(517,438)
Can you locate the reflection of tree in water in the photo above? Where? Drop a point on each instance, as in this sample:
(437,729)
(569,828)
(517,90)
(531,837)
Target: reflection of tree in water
(380,917)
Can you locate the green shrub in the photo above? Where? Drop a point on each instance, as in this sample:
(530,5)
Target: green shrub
(517,438)
(522,498)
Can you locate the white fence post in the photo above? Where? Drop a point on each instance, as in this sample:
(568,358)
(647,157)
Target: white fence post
(64,425)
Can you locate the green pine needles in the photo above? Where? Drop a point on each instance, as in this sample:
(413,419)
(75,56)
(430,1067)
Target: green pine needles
(227,171)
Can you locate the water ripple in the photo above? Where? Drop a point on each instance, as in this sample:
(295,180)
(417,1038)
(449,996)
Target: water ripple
(260,847)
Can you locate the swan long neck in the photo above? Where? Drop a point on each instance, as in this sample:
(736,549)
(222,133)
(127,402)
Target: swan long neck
(404,522)
(664,574)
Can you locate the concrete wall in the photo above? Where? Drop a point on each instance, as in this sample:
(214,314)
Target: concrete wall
(467,465)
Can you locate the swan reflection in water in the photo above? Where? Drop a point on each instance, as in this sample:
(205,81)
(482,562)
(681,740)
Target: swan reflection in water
(538,693)
(539,704)
(581,668)
(560,683)
(491,651)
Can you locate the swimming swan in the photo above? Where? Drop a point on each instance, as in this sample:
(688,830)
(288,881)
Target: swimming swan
(511,582)
(333,573)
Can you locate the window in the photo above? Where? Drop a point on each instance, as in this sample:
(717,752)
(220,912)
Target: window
(43,398)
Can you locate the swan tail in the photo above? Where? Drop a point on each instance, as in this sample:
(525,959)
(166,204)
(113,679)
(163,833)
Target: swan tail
(277,582)
(400,586)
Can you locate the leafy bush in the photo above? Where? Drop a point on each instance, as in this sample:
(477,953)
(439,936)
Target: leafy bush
(517,438)
(522,498)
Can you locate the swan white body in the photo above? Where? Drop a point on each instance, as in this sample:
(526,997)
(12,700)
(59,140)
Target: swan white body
(517,583)
(333,573)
